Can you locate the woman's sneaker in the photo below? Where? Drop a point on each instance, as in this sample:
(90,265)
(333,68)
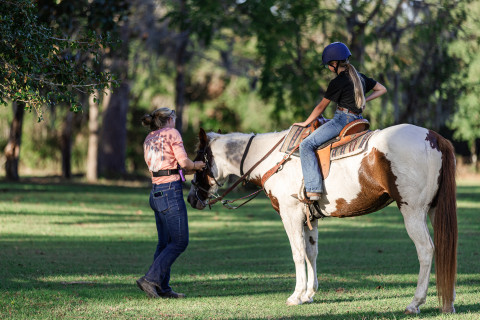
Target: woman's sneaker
(147,287)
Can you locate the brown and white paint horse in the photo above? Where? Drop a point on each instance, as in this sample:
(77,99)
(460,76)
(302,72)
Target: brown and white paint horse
(413,166)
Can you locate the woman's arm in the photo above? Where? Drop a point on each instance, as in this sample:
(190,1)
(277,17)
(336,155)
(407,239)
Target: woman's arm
(378,90)
(181,155)
(191,165)
(315,113)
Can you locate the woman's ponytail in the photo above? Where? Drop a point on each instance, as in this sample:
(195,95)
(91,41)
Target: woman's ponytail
(158,118)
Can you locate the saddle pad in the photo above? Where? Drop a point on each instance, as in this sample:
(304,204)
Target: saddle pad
(355,146)
(294,137)
(297,134)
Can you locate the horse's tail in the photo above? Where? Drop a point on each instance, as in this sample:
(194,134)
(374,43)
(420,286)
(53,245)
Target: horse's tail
(445,227)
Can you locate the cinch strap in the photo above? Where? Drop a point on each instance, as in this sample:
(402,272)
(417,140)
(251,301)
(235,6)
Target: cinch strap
(162,173)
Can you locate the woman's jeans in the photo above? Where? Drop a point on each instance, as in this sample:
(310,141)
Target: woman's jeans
(310,168)
(167,202)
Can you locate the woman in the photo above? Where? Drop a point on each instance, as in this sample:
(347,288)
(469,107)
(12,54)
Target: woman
(348,91)
(164,152)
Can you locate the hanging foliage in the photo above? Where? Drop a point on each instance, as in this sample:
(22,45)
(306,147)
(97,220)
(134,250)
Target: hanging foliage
(40,67)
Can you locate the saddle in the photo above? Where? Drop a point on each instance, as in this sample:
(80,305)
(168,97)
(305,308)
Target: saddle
(351,141)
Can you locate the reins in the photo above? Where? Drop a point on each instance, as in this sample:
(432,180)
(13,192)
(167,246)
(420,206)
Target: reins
(242,178)
(265,177)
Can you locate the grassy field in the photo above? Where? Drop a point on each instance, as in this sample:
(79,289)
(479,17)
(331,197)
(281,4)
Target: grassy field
(74,251)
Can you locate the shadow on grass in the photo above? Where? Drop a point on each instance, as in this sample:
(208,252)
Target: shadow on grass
(424,314)
(468,193)
(255,264)
(118,292)
(231,253)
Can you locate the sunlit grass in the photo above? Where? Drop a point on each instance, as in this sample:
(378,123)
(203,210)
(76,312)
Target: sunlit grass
(75,251)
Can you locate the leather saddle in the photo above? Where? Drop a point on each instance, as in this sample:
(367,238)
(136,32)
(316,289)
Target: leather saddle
(351,140)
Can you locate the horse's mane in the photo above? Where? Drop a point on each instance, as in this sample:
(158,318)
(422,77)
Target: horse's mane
(214,135)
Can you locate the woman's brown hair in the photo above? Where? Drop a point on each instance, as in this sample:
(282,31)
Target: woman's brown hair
(158,119)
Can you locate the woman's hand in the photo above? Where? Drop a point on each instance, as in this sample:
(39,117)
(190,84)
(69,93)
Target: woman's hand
(191,166)
(198,165)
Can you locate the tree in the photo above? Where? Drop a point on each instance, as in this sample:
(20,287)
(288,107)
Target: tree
(41,67)
(466,121)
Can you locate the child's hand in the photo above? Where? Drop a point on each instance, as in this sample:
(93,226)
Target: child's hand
(301,124)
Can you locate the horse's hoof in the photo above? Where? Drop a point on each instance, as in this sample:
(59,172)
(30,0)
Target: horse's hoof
(291,302)
(448,310)
(412,310)
(306,299)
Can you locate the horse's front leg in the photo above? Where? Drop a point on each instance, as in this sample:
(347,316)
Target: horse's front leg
(293,223)
(311,244)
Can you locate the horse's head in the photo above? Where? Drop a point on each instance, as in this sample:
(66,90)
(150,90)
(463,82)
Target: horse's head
(205,183)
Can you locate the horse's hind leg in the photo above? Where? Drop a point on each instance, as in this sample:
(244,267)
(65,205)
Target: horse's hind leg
(311,244)
(416,225)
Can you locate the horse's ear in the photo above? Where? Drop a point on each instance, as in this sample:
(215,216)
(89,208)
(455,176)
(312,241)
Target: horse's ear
(219,131)
(202,136)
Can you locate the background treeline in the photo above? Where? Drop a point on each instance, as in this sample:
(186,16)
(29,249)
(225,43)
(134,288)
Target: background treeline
(245,65)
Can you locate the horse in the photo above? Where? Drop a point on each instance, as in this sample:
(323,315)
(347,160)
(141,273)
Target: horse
(411,165)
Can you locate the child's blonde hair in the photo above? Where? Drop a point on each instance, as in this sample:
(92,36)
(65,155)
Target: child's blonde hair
(357,83)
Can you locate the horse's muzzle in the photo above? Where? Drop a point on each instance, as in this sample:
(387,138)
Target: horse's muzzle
(194,201)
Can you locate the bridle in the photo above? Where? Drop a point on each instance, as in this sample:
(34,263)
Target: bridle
(202,154)
(212,198)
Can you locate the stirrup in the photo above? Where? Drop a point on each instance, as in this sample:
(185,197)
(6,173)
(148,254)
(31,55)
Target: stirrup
(306,200)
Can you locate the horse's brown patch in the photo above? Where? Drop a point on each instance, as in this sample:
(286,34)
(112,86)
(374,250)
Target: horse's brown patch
(432,137)
(204,178)
(256,180)
(378,188)
(274,202)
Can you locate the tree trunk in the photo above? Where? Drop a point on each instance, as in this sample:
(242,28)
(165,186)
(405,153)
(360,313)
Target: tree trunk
(66,145)
(180,60)
(396,98)
(92,152)
(113,146)
(12,149)
(476,154)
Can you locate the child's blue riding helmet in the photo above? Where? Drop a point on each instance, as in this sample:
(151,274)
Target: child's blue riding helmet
(336,51)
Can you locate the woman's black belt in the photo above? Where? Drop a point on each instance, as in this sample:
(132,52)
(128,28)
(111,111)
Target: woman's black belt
(162,173)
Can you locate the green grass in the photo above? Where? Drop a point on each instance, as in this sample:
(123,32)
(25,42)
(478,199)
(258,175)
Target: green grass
(74,251)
